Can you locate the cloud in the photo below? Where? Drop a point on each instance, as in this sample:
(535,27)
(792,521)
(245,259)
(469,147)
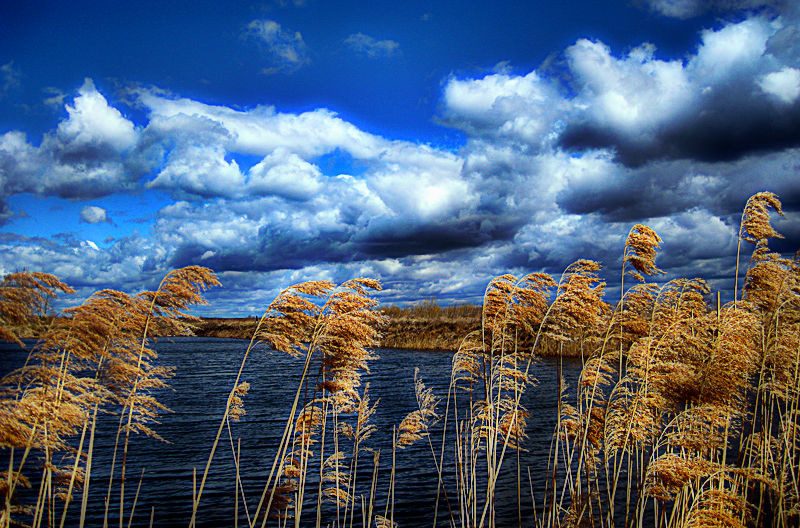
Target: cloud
(54,98)
(6,213)
(286,50)
(555,166)
(572,158)
(94,151)
(195,157)
(9,78)
(784,84)
(261,130)
(711,107)
(91,214)
(284,174)
(93,128)
(691,8)
(371,47)
(524,109)
(734,96)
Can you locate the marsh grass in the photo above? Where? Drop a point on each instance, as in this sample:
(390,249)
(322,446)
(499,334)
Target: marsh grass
(685,412)
(94,360)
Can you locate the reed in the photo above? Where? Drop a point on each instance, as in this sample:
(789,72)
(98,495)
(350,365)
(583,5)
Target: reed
(90,360)
(686,412)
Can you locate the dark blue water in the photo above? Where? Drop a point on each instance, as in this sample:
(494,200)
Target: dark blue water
(205,371)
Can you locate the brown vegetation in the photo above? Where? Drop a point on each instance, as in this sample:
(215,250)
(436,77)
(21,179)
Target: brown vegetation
(428,326)
(421,326)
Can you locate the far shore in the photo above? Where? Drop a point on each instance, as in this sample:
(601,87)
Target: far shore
(406,328)
(422,326)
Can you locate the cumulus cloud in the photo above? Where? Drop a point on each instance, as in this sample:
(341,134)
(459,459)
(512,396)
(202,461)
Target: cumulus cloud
(285,174)
(525,109)
(717,104)
(286,50)
(784,84)
(616,139)
(261,130)
(713,106)
(196,163)
(93,152)
(371,47)
(91,214)
(93,128)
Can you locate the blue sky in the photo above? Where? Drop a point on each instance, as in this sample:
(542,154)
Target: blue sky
(432,145)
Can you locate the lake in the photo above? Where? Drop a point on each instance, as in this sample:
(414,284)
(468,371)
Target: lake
(205,371)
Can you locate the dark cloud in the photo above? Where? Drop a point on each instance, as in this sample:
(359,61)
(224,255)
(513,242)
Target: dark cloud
(287,246)
(738,94)
(5,212)
(666,188)
(393,240)
(730,126)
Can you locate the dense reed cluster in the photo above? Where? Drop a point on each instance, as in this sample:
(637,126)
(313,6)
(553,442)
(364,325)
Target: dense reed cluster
(92,361)
(685,413)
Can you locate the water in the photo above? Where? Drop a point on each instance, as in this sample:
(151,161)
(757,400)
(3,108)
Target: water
(205,371)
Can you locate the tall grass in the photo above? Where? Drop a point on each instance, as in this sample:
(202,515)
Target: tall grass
(685,412)
(92,360)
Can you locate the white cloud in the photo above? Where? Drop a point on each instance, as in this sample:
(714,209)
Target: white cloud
(200,170)
(89,171)
(419,183)
(211,226)
(54,97)
(18,164)
(284,174)
(261,130)
(634,94)
(784,84)
(730,51)
(93,152)
(286,49)
(524,108)
(93,124)
(371,47)
(91,214)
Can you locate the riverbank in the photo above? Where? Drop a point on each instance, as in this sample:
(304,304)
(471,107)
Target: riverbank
(422,326)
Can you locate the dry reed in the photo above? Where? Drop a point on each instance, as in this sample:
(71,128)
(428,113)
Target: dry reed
(685,413)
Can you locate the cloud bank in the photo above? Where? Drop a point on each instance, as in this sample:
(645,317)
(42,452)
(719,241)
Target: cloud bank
(552,168)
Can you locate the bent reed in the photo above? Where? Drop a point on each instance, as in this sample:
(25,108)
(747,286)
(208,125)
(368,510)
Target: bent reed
(685,413)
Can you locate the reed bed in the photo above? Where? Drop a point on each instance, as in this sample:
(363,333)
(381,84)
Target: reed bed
(685,412)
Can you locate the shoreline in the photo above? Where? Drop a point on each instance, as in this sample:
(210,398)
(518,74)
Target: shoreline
(401,332)
(405,329)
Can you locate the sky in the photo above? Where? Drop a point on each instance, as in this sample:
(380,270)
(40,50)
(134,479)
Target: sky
(431,145)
